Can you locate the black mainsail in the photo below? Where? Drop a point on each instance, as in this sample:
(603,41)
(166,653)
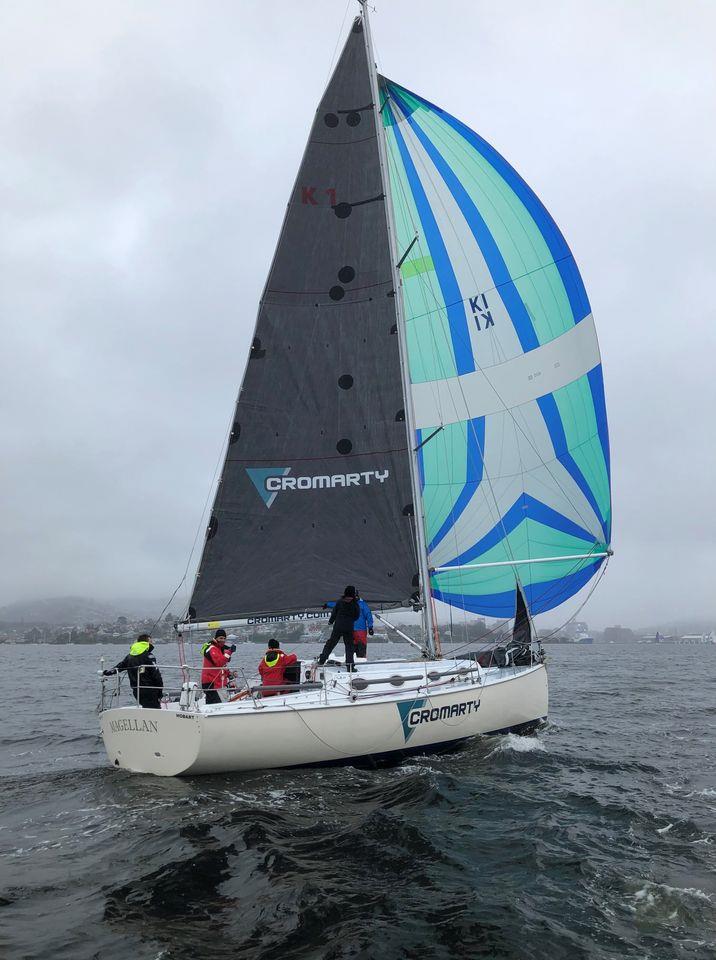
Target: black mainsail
(315,490)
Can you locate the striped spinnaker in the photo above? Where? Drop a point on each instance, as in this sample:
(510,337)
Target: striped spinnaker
(504,364)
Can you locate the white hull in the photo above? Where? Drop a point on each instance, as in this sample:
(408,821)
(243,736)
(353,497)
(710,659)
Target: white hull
(334,725)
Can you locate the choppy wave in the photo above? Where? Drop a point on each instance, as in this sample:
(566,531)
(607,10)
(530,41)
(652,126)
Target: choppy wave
(592,840)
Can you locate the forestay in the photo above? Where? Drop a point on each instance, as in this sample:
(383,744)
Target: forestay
(505,371)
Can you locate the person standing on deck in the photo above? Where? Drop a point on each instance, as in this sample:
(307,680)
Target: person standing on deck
(214,674)
(362,628)
(273,667)
(344,614)
(144,676)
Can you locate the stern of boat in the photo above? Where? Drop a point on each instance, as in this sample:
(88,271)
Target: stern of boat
(162,742)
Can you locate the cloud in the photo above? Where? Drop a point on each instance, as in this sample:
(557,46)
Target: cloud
(148,154)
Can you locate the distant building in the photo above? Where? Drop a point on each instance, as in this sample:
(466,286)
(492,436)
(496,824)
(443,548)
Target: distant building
(618,634)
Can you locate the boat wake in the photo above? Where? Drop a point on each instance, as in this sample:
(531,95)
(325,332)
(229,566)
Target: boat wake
(515,743)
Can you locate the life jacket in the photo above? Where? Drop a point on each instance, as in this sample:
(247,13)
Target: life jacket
(273,666)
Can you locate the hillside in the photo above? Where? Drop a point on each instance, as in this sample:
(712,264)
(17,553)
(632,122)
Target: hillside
(76,611)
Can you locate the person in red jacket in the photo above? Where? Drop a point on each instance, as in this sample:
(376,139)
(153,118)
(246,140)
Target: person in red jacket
(214,674)
(273,667)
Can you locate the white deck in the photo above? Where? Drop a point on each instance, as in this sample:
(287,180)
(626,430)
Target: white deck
(341,687)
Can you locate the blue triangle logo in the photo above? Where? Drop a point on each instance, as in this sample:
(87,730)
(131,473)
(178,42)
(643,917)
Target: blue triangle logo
(405,709)
(259,476)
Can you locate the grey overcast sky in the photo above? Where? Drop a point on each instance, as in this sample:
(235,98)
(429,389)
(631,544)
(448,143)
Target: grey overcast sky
(148,151)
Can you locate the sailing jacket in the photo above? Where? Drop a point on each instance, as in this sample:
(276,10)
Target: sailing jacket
(344,614)
(140,655)
(365,620)
(365,617)
(214,675)
(272,667)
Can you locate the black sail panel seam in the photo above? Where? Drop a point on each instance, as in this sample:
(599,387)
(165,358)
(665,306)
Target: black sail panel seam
(342,143)
(328,456)
(312,293)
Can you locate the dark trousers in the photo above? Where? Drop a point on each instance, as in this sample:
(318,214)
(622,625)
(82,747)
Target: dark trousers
(361,649)
(210,694)
(148,697)
(347,637)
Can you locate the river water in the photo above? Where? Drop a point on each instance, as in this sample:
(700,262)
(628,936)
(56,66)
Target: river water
(594,839)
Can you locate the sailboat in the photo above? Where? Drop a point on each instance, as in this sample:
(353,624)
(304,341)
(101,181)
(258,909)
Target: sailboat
(422,415)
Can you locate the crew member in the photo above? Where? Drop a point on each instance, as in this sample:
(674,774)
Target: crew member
(345,612)
(214,674)
(147,685)
(273,667)
(362,627)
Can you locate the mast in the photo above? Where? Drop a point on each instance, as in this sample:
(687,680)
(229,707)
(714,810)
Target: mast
(432,641)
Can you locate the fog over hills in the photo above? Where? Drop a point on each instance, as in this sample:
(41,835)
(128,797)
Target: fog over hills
(77,611)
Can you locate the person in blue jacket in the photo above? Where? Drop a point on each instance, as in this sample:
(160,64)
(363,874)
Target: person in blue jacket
(362,627)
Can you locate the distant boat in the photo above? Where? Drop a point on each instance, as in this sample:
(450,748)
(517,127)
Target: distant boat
(422,414)
(698,638)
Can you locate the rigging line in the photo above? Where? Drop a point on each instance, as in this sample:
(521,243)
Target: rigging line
(418,151)
(512,476)
(495,288)
(437,355)
(515,424)
(222,454)
(331,746)
(455,145)
(426,286)
(512,279)
(449,349)
(580,607)
(418,527)
(406,213)
(555,590)
(491,175)
(501,624)
(333,60)
(486,474)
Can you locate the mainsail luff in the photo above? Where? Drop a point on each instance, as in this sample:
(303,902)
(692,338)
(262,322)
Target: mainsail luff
(397,257)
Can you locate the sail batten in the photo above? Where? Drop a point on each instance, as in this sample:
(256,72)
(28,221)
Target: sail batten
(504,362)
